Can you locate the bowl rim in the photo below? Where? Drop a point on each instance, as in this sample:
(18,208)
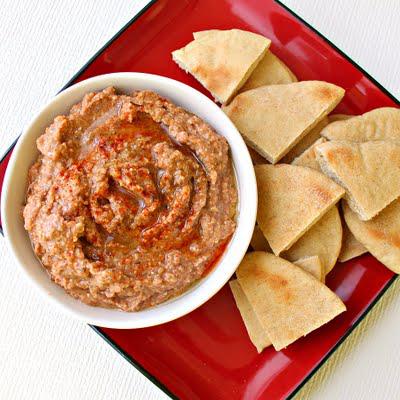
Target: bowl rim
(206,288)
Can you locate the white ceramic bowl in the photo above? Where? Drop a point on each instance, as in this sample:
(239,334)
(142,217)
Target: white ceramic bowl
(25,153)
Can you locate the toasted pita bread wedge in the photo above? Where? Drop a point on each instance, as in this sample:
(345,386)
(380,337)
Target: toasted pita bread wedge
(309,157)
(207,32)
(222,60)
(323,239)
(342,247)
(370,173)
(288,302)
(291,200)
(202,34)
(273,119)
(312,265)
(257,333)
(258,241)
(351,247)
(338,117)
(380,124)
(269,71)
(380,235)
(312,137)
(256,158)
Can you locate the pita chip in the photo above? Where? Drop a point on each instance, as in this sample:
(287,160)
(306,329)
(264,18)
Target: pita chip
(258,241)
(323,239)
(273,119)
(288,302)
(222,60)
(291,199)
(309,157)
(380,235)
(312,137)
(256,158)
(369,172)
(351,247)
(312,265)
(269,71)
(256,332)
(207,32)
(379,124)
(338,117)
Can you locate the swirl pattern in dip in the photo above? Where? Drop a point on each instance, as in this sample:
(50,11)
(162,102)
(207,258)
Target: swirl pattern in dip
(131,200)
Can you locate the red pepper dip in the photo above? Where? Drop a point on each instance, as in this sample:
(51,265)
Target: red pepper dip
(130,199)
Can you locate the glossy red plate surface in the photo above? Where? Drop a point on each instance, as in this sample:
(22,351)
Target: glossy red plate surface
(207,354)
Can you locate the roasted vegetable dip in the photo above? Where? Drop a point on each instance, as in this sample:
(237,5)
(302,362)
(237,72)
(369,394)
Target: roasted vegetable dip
(131,200)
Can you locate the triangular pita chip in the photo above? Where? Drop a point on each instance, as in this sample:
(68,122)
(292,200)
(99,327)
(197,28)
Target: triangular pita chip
(370,173)
(273,119)
(338,117)
(288,302)
(380,235)
(203,34)
(223,60)
(258,241)
(324,239)
(380,124)
(312,265)
(269,71)
(309,157)
(291,199)
(313,136)
(351,247)
(257,333)
(256,158)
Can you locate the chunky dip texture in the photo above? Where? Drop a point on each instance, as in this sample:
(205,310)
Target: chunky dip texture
(130,201)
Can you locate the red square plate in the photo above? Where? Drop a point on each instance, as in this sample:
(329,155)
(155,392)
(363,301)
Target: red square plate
(207,354)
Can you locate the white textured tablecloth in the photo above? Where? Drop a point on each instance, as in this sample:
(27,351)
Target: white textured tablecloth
(46,355)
